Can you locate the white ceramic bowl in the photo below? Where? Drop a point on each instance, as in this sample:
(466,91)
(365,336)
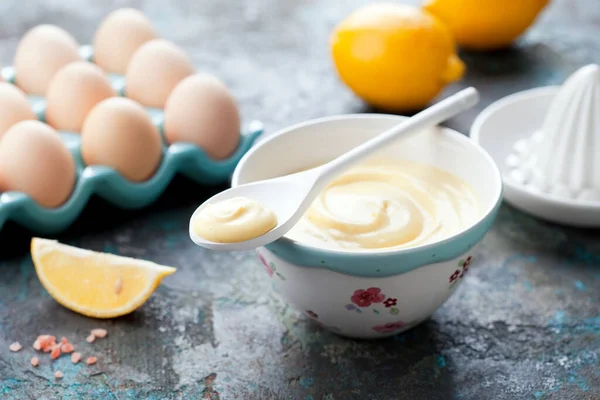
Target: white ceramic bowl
(380,293)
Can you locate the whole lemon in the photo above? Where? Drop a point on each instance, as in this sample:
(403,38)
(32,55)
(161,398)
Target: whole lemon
(395,57)
(486,24)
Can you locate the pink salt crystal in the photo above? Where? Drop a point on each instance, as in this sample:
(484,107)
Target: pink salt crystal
(67,348)
(55,353)
(75,357)
(14,347)
(99,333)
(47,342)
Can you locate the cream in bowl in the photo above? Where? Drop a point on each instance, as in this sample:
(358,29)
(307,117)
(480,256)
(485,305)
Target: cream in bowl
(376,263)
(386,203)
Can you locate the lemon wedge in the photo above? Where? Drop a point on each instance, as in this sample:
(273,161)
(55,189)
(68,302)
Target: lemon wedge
(95,284)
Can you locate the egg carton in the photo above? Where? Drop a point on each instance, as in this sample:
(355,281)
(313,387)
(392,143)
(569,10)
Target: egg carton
(184,158)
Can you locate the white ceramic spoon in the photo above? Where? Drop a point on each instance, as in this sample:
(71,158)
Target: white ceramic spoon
(290,196)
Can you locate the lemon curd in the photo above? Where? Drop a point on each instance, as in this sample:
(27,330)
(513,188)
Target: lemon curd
(234,220)
(388,204)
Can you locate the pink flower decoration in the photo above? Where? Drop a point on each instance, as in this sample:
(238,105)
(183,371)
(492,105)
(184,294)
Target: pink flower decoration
(364,298)
(267,267)
(466,264)
(454,276)
(389,327)
(390,302)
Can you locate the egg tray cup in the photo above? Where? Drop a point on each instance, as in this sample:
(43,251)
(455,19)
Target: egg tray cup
(184,158)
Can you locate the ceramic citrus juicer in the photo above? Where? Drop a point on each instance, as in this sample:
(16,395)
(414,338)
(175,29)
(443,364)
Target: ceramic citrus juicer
(546,142)
(301,188)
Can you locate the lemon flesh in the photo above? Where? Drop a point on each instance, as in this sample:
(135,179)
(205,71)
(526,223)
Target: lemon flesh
(95,284)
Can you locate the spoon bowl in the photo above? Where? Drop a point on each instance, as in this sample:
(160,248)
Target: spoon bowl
(287,196)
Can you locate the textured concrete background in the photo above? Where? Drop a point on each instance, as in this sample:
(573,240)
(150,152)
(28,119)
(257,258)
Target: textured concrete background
(524,325)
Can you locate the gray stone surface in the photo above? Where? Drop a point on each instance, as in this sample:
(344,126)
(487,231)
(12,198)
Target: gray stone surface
(525,324)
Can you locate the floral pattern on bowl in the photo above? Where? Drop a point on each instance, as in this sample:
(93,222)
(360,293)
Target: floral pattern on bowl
(390,302)
(270,267)
(384,306)
(315,318)
(364,298)
(370,297)
(390,327)
(457,275)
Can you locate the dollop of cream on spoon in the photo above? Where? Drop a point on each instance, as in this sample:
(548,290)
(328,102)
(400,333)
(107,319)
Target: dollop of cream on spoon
(234,220)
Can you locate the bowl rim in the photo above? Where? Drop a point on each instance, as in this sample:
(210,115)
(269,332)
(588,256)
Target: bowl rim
(463,139)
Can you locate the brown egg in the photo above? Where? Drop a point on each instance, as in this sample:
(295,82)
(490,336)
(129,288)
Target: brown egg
(154,71)
(42,51)
(14,107)
(201,110)
(119,133)
(119,36)
(73,92)
(35,161)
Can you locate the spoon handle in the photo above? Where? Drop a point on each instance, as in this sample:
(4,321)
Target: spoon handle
(431,116)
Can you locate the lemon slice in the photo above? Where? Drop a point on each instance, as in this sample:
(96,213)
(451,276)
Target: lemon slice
(95,284)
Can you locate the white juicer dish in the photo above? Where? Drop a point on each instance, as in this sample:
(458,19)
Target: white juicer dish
(546,142)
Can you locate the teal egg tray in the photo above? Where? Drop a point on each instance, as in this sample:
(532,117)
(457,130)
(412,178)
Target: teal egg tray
(183,158)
